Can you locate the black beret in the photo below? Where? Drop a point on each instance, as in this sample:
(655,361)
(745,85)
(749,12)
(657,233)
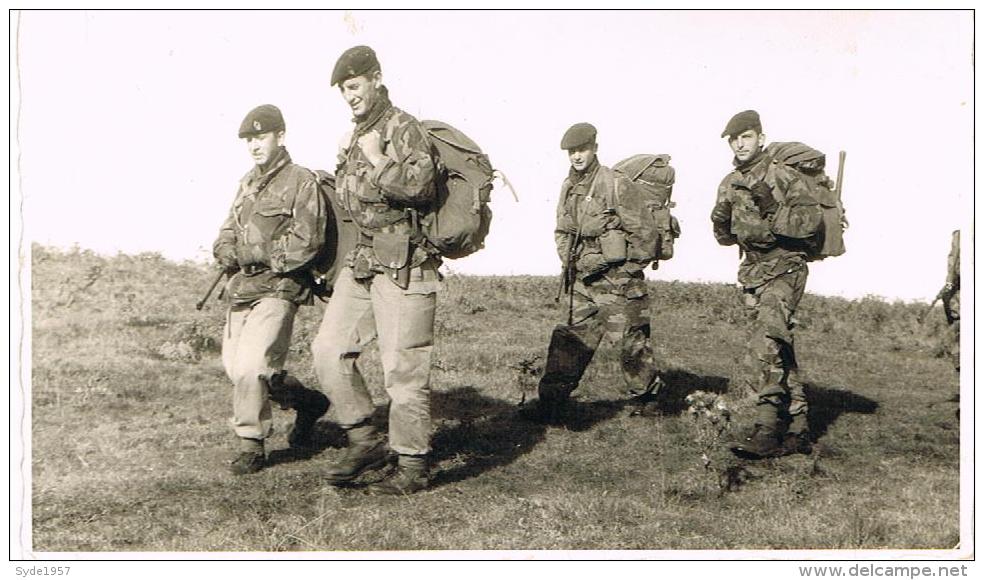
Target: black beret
(355,61)
(262,119)
(579,134)
(742,122)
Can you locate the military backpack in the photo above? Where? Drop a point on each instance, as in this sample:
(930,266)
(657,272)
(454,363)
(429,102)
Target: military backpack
(461,219)
(808,164)
(650,181)
(341,237)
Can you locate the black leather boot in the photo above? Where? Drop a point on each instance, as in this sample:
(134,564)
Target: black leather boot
(366,450)
(411,475)
(761,443)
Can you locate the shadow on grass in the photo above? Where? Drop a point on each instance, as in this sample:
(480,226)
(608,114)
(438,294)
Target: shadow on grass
(326,434)
(490,433)
(672,398)
(827,404)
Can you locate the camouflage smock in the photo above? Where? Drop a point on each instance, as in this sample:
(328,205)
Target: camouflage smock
(377,198)
(773,244)
(588,207)
(275,227)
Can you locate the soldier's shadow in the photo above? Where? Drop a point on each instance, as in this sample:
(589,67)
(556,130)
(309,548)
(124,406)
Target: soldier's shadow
(326,435)
(826,404)
(672,399)
(482,433)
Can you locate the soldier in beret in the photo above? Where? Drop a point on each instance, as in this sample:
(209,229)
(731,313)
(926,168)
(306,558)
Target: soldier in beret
(275,227)
(387,289)
(769,213)
(603,268)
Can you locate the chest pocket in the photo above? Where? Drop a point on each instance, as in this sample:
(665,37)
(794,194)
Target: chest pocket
(746,223)
(271,219)
(357,172)
(594,216)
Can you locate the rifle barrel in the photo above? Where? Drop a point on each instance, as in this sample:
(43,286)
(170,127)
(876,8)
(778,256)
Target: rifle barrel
(840,172)
(211,288)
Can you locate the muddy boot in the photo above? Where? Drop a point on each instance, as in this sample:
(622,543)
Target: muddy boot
(366,450)
(251,457)
(653,389)
(311,405)
(409,477)
(761,443)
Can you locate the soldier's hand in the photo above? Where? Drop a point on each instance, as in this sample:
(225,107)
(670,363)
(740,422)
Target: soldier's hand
(245,256)
(226,257)
(721,214)
(372,146)
(763,198)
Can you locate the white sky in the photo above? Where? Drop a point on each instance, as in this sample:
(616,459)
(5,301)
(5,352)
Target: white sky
(128,120)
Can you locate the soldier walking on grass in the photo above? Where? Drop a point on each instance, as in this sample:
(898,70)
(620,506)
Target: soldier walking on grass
(596,238)
(275,227)
(769,213)
(388,287)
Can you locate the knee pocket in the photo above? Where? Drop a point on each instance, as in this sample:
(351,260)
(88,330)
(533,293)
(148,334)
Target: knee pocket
(416,324)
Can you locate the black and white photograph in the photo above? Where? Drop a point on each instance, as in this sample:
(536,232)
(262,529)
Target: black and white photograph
(577,284)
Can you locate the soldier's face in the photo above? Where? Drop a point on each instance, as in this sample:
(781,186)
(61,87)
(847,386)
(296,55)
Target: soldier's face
(745,145)
(262,147)
(360,93)
(581,157)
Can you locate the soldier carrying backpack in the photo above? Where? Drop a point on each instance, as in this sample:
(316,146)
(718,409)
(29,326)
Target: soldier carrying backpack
(454,225)
(605,240)
(778,206)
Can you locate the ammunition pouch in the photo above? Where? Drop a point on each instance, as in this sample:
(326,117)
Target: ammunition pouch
(613,246)
(668,230)
(393,252)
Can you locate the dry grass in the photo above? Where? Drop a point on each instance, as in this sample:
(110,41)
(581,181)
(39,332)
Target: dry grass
(130,439)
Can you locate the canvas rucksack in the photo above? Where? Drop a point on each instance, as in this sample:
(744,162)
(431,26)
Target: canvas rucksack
(808,163)
(650,181)
(341,237)
(461,220)
(457,227)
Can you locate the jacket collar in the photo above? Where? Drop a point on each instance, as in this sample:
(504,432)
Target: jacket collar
(745,167)
(259,176)
(585,176)
(379,108)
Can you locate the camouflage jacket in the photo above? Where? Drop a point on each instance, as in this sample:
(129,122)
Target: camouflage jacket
(588,207)
(275,227)
(378,198)
(775,243)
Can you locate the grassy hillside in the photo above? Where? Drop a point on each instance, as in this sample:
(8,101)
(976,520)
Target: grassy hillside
(131,439)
